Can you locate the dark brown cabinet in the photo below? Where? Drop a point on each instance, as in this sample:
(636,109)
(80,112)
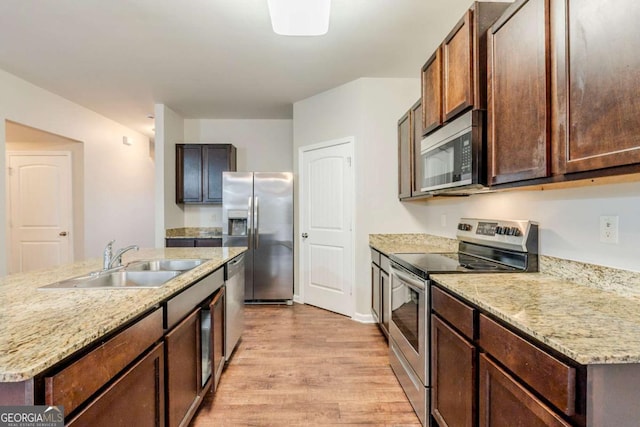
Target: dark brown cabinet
(380,290)
(504,402)
(404,156)
(217,335)
(518,124)
(481,370)
(453,362)
(410,172)
(454,78)
(191,243)
(597,65)
(135,399)
(183,370)
(199,170)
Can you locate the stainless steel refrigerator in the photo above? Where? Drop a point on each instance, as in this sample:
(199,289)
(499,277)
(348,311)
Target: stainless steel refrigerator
(257,212)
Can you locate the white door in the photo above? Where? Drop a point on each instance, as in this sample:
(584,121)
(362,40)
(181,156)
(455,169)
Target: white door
(326,194)
(40,210)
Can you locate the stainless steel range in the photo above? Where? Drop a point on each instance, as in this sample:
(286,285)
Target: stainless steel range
(484,246)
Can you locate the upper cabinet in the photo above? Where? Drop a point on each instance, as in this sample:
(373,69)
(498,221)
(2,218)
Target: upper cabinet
(199,170)
(409,138)
(454,77)
(563,92)
(518,114)
(597,64)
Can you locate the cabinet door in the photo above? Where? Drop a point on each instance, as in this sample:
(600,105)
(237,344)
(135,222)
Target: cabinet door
(598,87)
(518,103)
(208,243)
(183,369)
(135,399)
(504,402)
(417,172)
(457,74)
(453,370)
(217,335)
(217,158)
(432,92)
(375,292)
(404,156)
(385,307)
(188,173)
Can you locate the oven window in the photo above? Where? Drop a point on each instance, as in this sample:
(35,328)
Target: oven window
(405,313)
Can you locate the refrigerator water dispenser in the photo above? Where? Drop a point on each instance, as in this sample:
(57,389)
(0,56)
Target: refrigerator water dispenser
(237,222)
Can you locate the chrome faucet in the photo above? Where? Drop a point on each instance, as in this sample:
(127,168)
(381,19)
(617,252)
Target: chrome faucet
(110,260)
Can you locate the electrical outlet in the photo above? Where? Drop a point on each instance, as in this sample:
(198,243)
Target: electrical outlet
(609,229)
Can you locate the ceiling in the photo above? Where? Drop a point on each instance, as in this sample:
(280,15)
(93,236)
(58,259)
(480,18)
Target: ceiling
(210,58)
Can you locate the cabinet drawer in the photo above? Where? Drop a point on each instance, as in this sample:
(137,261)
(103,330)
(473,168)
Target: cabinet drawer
(375,256)
(454,311)
(183,303)
(553,379)
(77,382)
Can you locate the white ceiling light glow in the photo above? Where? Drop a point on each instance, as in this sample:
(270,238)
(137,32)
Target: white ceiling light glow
(300,17)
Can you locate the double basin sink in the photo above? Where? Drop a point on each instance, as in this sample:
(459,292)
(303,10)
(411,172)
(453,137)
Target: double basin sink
(136,275)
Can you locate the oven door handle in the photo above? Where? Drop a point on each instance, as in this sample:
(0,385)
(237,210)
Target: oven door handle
(410,280)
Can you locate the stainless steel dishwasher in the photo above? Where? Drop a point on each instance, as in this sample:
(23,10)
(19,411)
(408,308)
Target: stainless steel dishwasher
(234,304)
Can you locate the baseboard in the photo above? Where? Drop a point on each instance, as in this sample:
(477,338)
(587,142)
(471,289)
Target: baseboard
(364,318)
(297,299)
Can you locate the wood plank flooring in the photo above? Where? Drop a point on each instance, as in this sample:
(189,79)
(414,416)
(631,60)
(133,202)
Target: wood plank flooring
(302,366)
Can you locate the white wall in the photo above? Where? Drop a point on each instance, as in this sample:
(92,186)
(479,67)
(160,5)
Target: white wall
(169,127)
(118,195)
(367,109)
(261,146)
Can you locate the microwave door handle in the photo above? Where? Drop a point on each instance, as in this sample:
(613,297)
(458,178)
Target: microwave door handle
(417,285)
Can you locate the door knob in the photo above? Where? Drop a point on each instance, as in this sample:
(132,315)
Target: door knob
(305,235)
(62,233)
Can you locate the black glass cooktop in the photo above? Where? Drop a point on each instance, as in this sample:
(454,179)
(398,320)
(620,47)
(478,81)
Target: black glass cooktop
(423,264)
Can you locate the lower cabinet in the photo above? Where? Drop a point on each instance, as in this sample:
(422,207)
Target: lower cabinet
(485,375)
(504,402)
(380,290)
(183,370)
(135,399)
(453,377)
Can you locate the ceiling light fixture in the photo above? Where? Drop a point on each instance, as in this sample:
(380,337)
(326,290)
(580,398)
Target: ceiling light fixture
(300,17)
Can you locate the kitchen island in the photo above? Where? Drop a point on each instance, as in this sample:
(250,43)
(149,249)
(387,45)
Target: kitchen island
(45,330)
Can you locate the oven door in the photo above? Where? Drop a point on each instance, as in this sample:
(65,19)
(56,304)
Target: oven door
(409,326)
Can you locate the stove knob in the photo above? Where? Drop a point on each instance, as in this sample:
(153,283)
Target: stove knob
(464,227)
(516,231)
(499,230)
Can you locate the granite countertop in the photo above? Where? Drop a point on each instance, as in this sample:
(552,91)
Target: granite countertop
(411,243)
(587,312)
(194,233)
(586,324)
(39,327)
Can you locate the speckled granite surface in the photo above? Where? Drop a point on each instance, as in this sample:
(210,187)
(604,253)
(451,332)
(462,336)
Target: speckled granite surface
(587,312)
(589,325)
(193,232)
(39,328)
(409,243)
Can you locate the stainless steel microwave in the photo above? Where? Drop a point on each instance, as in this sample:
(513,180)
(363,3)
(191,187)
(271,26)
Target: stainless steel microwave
(452,157)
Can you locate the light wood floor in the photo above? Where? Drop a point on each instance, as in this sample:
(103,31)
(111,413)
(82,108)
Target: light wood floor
(303,366)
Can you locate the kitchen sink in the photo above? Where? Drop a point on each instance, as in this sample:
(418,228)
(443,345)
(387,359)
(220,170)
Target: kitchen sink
(118,280)
(136,275)
(165,265)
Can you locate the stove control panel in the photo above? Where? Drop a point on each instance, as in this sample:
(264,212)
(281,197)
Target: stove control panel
(508,234)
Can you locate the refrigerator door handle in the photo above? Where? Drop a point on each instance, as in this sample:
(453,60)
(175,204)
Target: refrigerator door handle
(256,229)
(250,224)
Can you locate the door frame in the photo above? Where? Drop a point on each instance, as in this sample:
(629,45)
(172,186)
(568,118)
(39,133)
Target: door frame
(351,143)
(8,229)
